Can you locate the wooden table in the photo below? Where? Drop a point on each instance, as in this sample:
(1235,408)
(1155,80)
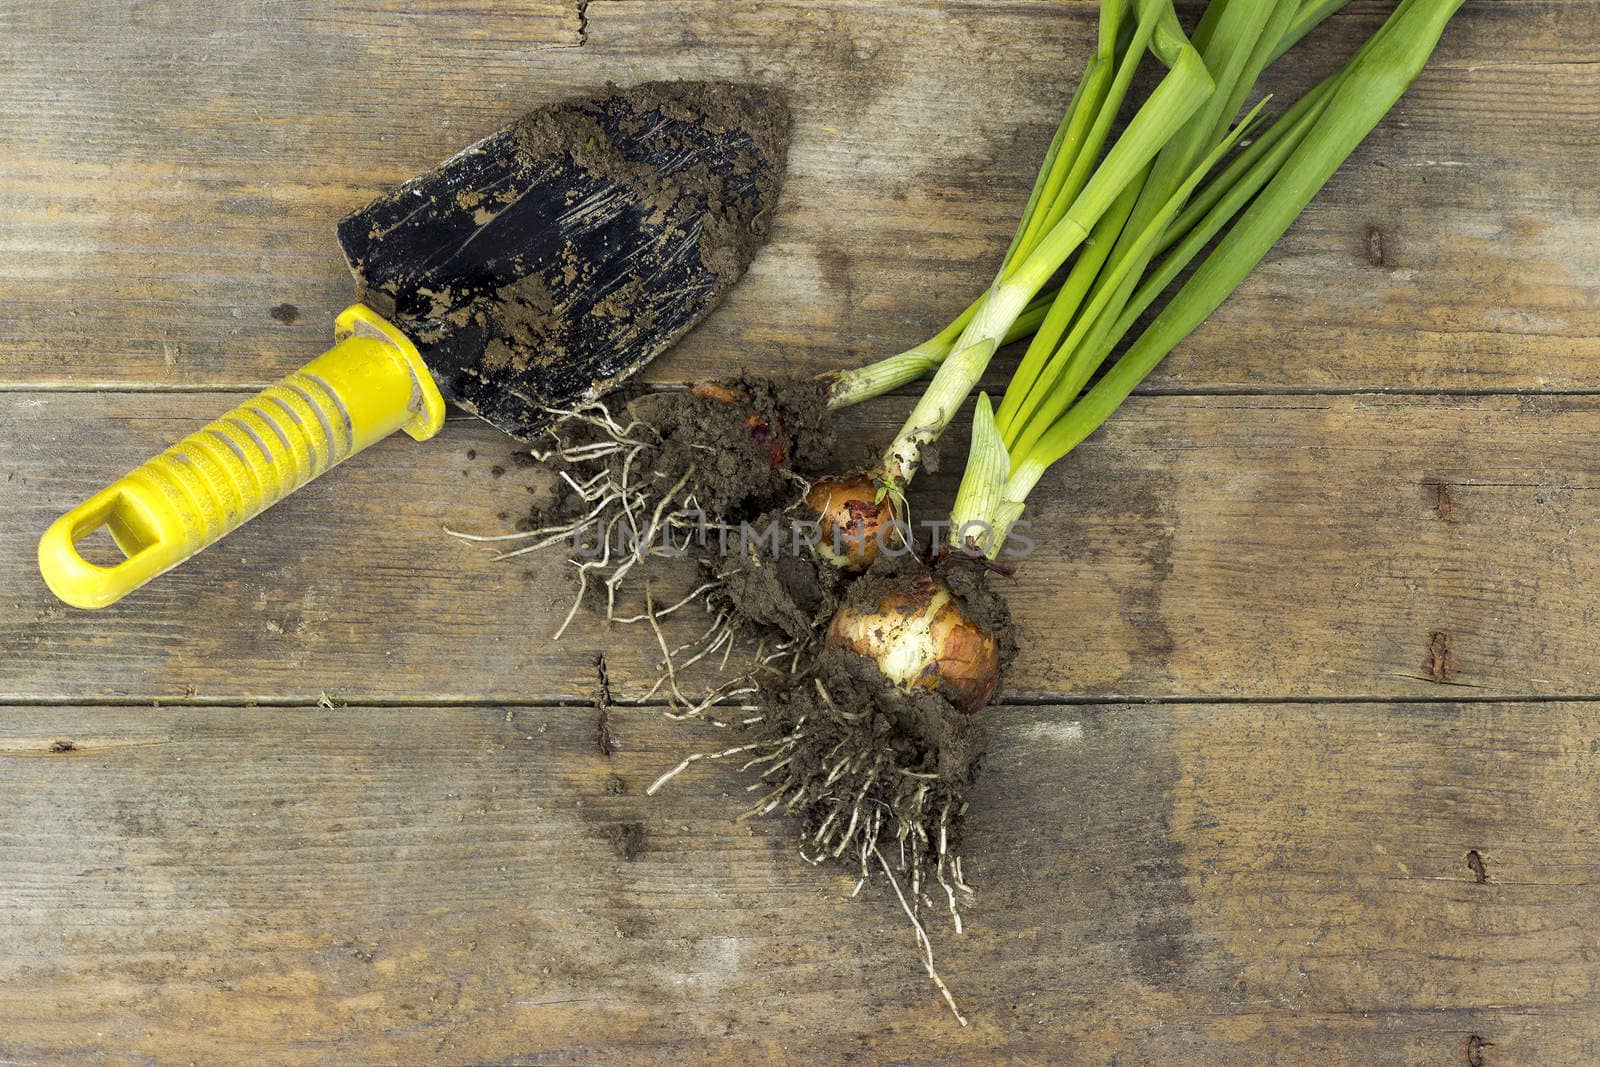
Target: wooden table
(1302,761)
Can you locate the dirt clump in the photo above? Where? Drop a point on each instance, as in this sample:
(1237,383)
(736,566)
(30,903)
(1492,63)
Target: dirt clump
(729,237)
(717,455)
(792,593)
(627,839)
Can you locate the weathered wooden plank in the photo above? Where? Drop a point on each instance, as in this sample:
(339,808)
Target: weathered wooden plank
(173,180)
(1210,884)
(1255,546)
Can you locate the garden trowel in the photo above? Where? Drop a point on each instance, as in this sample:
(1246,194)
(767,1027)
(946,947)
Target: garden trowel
(523,277)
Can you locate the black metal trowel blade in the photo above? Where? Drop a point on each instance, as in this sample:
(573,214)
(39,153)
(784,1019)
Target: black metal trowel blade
(538,268)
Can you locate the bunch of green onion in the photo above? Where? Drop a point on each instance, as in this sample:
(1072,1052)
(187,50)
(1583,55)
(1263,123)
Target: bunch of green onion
(1130,220)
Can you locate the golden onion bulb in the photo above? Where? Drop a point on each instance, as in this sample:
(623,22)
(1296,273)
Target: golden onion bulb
(920,637)
(854,522)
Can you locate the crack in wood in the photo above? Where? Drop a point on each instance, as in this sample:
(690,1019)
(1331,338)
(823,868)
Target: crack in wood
(1443,504)
(1441,663)
(1377,247)
(604,741)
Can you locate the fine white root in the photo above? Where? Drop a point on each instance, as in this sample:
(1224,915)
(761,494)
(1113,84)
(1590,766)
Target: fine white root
(721,635)
(680,768)
(677,696)
(664,612)
(715,700)
(923,940)
(577,601)
(721,632)
(944,861)
(627,518)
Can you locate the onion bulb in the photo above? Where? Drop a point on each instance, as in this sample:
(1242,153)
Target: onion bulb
(852,519)
(921,637)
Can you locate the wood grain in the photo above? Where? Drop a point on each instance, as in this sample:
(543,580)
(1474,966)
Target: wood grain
(1229,880)
(1210,546)
(1217,885)
(175,177)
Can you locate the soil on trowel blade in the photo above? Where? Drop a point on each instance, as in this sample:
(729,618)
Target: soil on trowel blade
(527,313)
(729,240)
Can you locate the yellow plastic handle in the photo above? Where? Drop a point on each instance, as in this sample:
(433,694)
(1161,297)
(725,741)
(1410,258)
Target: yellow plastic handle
(370,384)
